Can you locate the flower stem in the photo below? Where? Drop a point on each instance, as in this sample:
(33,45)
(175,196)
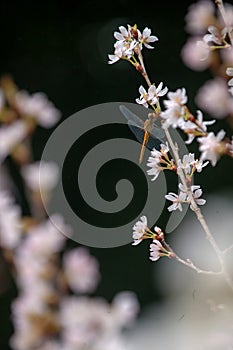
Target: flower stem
(221,8)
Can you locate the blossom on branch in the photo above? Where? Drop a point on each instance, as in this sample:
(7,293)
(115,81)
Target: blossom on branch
(151,96)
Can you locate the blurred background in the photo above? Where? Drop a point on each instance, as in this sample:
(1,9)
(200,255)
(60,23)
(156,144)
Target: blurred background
(60,48)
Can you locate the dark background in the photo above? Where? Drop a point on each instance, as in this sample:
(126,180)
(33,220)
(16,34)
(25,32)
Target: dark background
(60,47)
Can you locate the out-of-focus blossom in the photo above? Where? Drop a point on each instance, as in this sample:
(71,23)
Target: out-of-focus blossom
(229,72)
(81,270)
(199,16)
(178,97)
(10,222)
(2,99)
(226,56)
(125,308)
(33,320)
(11,136)
(46,238)
(214,98)
(196,54)
(83,319)
(39,107)
(41,175)
(210,146)
(229,15)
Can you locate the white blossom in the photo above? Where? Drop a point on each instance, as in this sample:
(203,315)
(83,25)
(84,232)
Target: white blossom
(214,98)
(196,54)
(199,16)
(151,96)
(173,116)
(41,175)
(123,34)
(215,35)
(11,136)
(81,270)
(2,99)
(199,126)
(189,164)
(229,72)
(176,199)
(145,38)
(39,107)
(154,161)
(197,192)
(10,221)
(155,250)
(139,229)
(209,146)
(178,97)
(122,50)
(46,238)
(124,308)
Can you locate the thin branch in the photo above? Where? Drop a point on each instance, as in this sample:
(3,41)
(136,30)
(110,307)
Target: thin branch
(196,209)
(222,10)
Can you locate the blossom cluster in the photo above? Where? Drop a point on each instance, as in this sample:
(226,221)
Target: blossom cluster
(209,46)
(157,248)
(54,308)
(128,41)
(174,113)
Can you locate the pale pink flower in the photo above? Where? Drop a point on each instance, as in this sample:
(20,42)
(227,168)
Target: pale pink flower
(155,250)
(227,56)
(196,54)
(123,34)
(197,192)
(83,314)
(46,238)
(229,15)
(215,35)
(10,222)
(2,99)
(151,96)
(145,38)
(199,16)
(173,116)
(176,200)
(139,229)
(154,161)
(122,50)
(125,307)
(209,146)
(39,107)
(229,72)
(41,175)
(81,270)
(11,136)
(200,126)
(214,98)
(178,97)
